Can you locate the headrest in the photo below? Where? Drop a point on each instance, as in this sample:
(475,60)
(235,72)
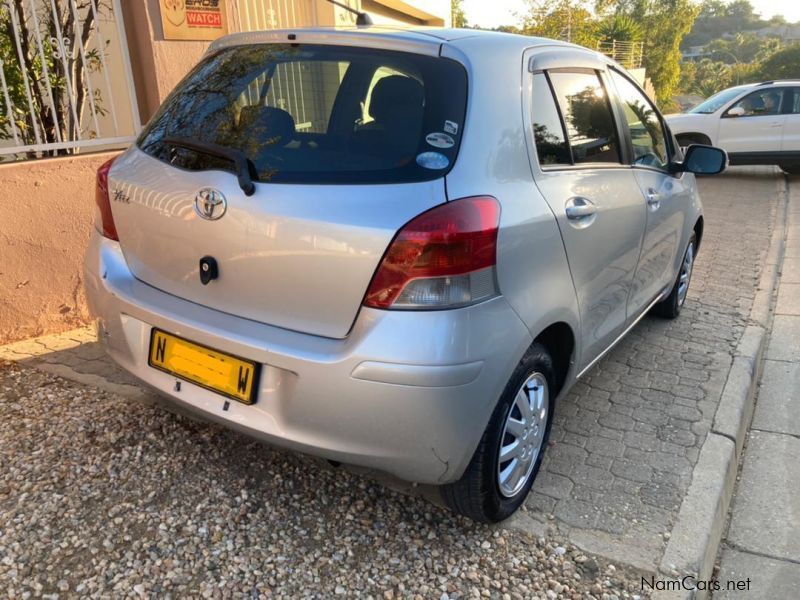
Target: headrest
(267,122)
(396,95)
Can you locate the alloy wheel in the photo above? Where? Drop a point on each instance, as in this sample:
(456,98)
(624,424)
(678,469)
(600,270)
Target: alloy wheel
(523,434)
(686,274)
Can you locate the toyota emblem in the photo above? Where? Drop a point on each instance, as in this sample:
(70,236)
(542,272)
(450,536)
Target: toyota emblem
(210,204)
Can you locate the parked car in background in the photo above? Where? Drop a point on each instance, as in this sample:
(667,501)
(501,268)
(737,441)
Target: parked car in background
(368,245)
(756,124)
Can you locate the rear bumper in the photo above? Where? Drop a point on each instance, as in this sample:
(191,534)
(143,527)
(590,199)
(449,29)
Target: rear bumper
(409,393)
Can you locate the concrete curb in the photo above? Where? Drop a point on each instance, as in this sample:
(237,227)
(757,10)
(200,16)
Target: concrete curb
(735,410)
(761,311)
(698,530)
(692,548)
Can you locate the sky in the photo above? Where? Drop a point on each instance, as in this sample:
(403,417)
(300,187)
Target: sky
(491,13)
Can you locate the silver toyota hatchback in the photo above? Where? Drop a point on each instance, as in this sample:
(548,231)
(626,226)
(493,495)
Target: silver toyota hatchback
(393,248)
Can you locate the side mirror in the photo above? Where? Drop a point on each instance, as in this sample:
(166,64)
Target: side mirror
(702,160)
(736,111)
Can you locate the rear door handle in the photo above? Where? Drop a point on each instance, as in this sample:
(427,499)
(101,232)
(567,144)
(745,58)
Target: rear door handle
(578,208)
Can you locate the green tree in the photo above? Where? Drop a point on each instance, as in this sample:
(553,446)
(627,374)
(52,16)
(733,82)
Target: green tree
(713,9)
(666,23)
(457,13)
(568,20)
(688,76)
(620,28)
(784,64)
(742,12)
(710,77)
(507,29)
(717,18)
(64,59)
(744,47)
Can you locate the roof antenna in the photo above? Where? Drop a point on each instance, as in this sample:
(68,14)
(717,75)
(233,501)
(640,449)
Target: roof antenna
(362,18)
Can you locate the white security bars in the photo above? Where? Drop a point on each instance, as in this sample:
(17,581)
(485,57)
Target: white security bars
(291,78)
(629,54)
(65,78)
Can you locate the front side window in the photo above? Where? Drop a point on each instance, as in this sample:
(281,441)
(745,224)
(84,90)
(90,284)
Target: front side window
(587,116)
(646,131)
(308,113)
(762,103)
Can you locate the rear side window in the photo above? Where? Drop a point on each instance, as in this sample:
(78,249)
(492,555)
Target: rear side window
(317,114)
(587,116)
(548,131)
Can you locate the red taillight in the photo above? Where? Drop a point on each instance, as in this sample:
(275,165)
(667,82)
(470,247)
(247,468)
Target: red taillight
(106,225)
(440,259)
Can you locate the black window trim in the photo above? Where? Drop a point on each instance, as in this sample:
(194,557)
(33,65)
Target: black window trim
(560,119)
(622,147)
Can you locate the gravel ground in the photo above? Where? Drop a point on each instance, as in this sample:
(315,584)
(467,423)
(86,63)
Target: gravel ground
(103,496)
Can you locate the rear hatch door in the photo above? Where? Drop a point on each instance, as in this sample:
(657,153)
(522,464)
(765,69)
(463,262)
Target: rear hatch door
(342,157)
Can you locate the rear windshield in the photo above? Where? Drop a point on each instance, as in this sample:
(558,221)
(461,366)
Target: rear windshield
(317,114)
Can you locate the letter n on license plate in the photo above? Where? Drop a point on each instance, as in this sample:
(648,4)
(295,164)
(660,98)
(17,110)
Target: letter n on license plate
(217,371)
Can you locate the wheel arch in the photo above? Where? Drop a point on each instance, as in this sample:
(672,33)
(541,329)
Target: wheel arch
(695,137)
(698,232)
(559,341)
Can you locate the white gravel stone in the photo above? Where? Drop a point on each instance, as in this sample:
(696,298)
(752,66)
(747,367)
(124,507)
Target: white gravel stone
(101,496)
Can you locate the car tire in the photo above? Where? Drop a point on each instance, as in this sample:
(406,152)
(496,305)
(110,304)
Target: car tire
(481,494)
(670,307)
(791,169)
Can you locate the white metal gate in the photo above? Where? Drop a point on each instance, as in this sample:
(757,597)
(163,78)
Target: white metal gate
(65,78)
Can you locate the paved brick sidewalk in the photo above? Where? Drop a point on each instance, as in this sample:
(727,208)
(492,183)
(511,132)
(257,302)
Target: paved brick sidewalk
(75,355)
(626,439)
(762,548)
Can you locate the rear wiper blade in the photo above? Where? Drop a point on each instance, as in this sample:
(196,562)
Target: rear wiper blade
(245,169)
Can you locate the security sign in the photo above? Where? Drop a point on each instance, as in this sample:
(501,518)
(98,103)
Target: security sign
(193,19)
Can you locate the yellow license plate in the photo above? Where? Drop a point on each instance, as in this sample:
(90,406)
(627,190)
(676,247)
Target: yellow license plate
(216,371)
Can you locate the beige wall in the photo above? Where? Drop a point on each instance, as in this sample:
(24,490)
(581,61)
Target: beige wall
(157,64)
(434,13)
(46,215)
